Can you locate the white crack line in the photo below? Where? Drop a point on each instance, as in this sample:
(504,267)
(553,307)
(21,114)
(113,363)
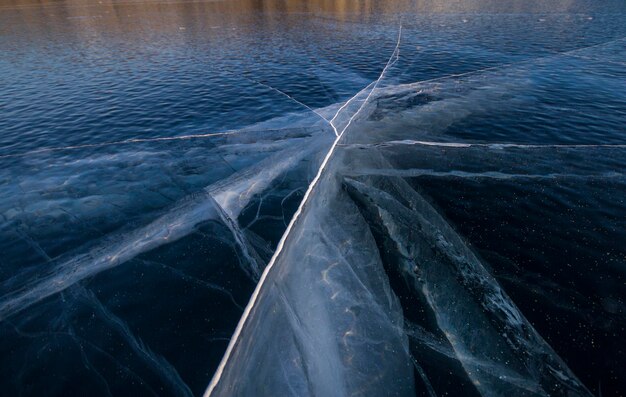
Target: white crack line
(294,219)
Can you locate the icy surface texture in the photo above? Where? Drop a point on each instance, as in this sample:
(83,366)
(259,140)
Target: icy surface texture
(325,314)
(299,199)
(51,304)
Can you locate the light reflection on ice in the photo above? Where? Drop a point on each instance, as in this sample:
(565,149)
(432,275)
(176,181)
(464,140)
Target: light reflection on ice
(324,319)
(325,298)
(224,198)
(489,335)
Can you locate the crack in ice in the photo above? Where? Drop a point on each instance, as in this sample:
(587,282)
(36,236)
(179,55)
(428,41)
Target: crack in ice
(288,96)
(400,87)
(294,219)
(241,131)
(122,142)
(409,142)
(418,172)
(232,195)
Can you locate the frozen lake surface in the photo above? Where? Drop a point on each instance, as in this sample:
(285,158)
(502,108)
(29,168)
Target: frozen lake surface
(312,198)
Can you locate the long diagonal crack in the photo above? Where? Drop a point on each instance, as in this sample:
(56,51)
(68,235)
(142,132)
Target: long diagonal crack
(295,218)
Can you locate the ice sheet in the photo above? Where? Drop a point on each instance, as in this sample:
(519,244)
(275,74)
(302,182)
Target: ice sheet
(324,318)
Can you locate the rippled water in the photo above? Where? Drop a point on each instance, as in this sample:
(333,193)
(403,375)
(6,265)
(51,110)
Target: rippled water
(465,235)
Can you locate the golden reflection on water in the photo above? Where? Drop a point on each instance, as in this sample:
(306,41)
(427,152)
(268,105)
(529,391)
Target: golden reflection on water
(339,8)
(86,20)
(133,15)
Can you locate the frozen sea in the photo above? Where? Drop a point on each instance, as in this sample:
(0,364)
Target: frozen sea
(312,198)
